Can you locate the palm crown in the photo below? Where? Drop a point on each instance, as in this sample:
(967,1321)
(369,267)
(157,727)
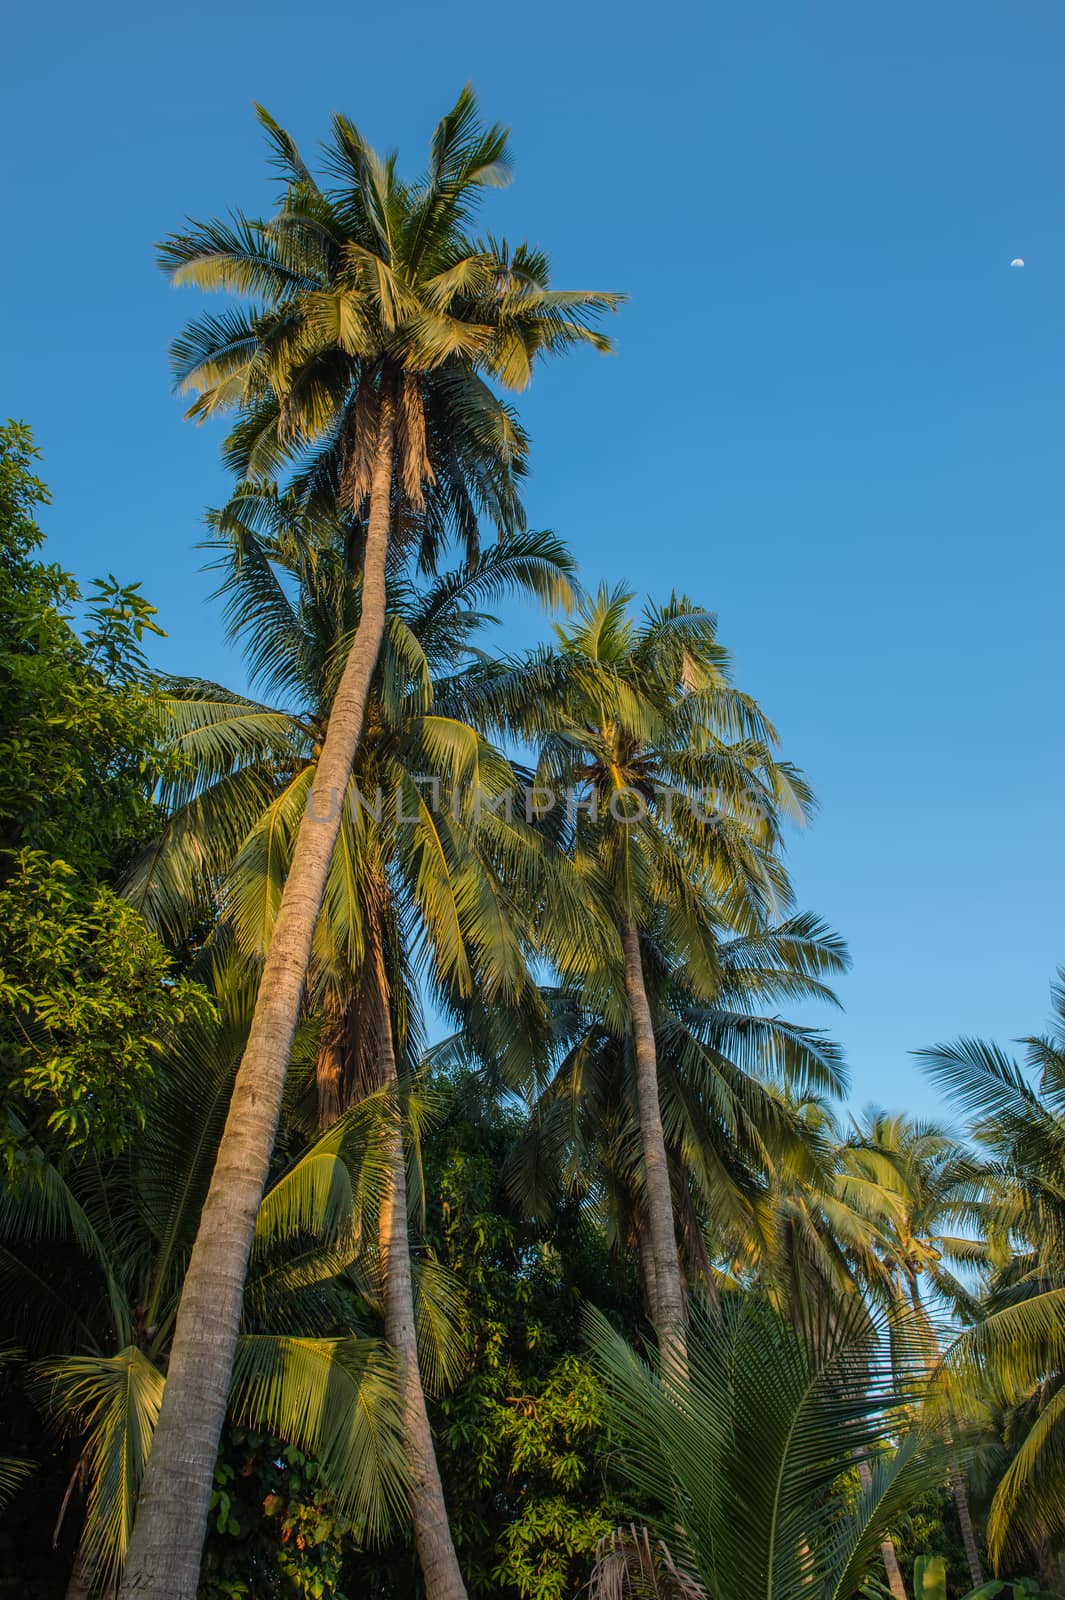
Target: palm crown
(369,282)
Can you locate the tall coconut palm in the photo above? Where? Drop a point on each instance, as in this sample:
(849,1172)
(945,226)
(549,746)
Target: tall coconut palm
(666,778)
(436,881)
(1017,1344)
(376,321)
(92,1261)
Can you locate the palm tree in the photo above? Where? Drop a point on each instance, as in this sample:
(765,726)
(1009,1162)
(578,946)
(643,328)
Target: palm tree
(742,1473)
(377,321)
(1017,1343)
(446,879)
(673,798)
(727,1127)
(921,1186)
(813,1238)
(92,1261)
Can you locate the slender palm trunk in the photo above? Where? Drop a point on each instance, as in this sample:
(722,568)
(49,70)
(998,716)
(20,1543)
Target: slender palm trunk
(887,1546)
(79,1585)
(329,1069)
(960,1487)
(647,1265)
(667,1311)
(167,1543)
(432,1532)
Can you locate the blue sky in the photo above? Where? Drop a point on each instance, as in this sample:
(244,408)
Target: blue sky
(835,415)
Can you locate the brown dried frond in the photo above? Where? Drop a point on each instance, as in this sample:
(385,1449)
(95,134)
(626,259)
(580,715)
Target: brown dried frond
(415,468)
(628,1566)
(360,447)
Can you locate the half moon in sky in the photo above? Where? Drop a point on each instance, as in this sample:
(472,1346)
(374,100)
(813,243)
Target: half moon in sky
(1017,262)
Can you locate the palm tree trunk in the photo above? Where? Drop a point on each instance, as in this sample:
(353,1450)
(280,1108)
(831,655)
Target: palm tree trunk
(167,1543)
(667,1311)
(965,1517)
(79,1585)
(887,1546)
(328,1067)
(432,1532)
(647,1265)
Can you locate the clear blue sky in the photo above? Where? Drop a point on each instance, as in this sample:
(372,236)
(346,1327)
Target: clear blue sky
(835,415)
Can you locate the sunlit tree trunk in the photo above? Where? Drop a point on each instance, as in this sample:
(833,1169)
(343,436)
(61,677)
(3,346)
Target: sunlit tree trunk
(432,1532)
(667,1311)
(166,1548)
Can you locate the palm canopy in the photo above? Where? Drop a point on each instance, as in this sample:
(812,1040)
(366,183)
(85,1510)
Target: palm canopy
(364,280)
(459,872)
(744,1473)
(1017,1347)
(921,1188)
(722,1065)
(657,774)
(92,1262)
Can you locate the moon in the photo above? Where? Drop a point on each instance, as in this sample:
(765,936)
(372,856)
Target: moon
(1017,261)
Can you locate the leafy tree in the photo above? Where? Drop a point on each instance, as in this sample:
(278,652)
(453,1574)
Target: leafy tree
(376,324)
(276,1530)
(87,994)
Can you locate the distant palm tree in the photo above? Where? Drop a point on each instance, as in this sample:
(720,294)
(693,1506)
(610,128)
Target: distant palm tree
(721,1064)
(666,778)
(375,322)
(741,1473)
(921,1187)
(1019,1338)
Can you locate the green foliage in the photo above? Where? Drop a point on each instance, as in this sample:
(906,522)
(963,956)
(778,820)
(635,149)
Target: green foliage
(87,995)
(745,1467)
(520,1439)
(275,1532)
(930,1578)
(76,727)
(1010,1589)
(87,1002)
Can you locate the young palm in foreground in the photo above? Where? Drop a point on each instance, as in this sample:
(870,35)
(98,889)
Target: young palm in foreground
(375,322)
(744,1468)
(419,868)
